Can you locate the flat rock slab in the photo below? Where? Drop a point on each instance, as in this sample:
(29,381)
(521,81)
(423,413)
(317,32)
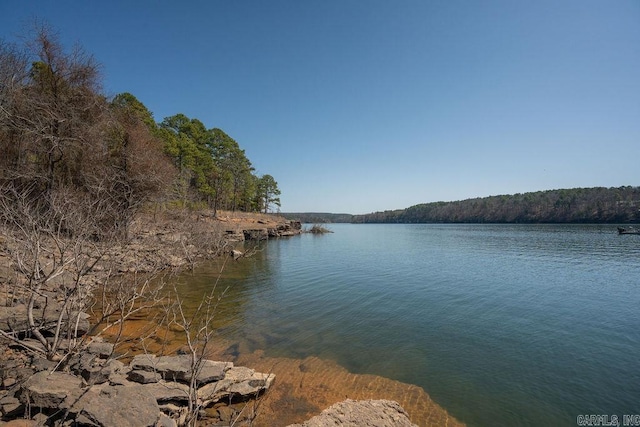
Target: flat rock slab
(51,390)
(117,406)
(101,349)
(238,382)
(363,413)
(14,319)
(168,391)
(179,368)
(143,377)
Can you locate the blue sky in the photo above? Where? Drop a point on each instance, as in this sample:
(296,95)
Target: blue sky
(358,106)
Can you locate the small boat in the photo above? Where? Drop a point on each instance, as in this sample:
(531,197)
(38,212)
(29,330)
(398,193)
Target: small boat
(628,230)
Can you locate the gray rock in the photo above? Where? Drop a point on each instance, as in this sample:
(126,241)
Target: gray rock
(65,280)
(256,234)
(273,232)
(95,370)
(117,406)
(42,364)
(29,343)
(81,420)
(239,382)
(111,369)
(79,323)
(8,383)
(172,410)
(101,349)
(120,378)
(165,392)
(143,377)
(10,405)
(178,368)
(21,423)
(364,413)
(14,319)
(175,365)
(236,254)
(166,421)
(51,390)
(40,419)
(210,371)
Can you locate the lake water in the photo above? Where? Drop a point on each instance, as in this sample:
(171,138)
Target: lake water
(518,325)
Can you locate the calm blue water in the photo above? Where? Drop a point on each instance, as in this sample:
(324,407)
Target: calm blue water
(519,325)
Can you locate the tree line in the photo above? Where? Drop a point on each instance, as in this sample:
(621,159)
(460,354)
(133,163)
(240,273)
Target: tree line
(318,217)
(65,145)
(577,205)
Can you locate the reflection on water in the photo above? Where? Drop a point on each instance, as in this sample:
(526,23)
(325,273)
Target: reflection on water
(303,387)
(529,324)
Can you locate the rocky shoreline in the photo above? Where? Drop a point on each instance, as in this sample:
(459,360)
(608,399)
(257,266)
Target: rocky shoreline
(99,390)
(93,387)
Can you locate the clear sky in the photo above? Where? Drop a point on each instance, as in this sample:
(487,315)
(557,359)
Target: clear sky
(364,105)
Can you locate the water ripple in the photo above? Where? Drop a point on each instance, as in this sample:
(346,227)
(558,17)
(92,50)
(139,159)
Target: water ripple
(529,324)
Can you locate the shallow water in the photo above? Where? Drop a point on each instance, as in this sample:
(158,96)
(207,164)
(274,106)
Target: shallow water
(520,325)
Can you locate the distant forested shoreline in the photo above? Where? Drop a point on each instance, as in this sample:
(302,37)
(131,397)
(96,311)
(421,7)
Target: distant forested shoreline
(577,205)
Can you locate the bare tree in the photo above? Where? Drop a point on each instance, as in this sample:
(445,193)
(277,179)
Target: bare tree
(49,109)
(199,331)
(51,239)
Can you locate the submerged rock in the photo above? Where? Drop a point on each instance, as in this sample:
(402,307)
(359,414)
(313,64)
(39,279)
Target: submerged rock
(363,413)
(238,383)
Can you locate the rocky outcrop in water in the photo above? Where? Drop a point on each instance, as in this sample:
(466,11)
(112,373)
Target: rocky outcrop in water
(271,231)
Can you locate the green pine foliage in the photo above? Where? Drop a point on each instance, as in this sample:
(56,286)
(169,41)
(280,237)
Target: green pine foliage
(61,135)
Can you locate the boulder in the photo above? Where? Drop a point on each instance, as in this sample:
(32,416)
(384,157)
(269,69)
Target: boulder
(363,413)
(178,368)
(168,392)
(10,405)
(51,390)
(211,371)
(273,232)
(14,319)
(95,370)
(144,377)
(239,383)
(42,364)
(256,234)
(101,349)
(166,421)
(234,236)
(79,323)
(116,406)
